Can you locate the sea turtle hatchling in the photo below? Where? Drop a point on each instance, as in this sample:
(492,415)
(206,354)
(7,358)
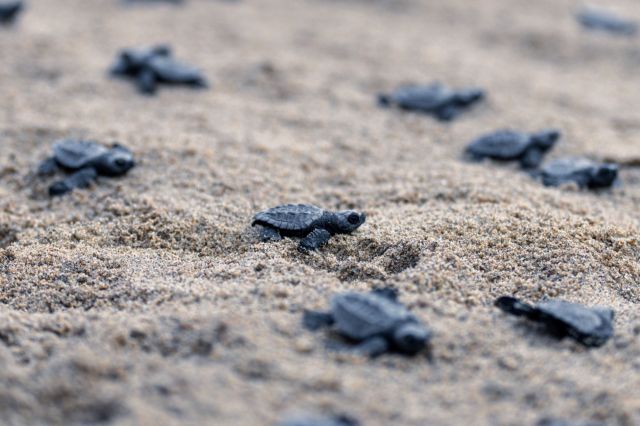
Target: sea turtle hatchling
(316,420)
(84,161)
(510,145)
(314,225)
(581,171)
(155,65)
(590,326)
(9,10)
(601,20)
(376,322)
(435,99)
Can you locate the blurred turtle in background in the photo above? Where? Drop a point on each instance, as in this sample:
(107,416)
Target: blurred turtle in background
(600,20)
(435,99)
(583,172)
(9,10)
(84,161)
(510,145)
(153,66)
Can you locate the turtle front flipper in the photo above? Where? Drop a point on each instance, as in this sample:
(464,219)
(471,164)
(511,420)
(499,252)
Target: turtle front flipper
(447,113)
(315,320)
(147,82)
(316,239)
(48,167)
(80,179)
(373,347)
(532,158)
(269,234)
(513,306)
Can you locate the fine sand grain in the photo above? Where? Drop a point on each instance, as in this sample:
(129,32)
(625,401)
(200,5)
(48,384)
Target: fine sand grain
(148,300)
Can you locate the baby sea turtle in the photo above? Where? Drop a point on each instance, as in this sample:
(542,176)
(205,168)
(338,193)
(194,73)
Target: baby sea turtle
(84,160)
(436,99)
(582,171)
(510,145)
(601,20)
(9,11)
(149,67)
(590,326)
(314,225)
(375,321)
(312,420)
(550,421)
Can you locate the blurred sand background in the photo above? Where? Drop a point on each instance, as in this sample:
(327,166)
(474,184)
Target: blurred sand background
(148,300)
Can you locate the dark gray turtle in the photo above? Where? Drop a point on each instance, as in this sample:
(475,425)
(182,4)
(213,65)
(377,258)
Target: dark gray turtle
(9,10)
(313,420)
(510,145)
(375,321)
(550,421)
(84,161)
(435,99)
(589,326)
(149,67)
(600,20)
(153,1)
(314,225)
(582,171)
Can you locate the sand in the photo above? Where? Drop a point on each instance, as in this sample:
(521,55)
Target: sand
(148,300)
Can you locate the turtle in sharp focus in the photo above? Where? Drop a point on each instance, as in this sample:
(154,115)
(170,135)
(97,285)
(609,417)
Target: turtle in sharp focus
(9,11)
(84,160)
(375,321)
(436,99)
(314,225)
(510,145)
(149,67)
(582,171)
(589,326)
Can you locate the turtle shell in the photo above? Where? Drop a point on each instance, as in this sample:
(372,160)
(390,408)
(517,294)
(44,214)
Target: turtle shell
(590,326)
(75,154)
(289,217)
(168,70)
(359,316)
(500,145)
(427,97)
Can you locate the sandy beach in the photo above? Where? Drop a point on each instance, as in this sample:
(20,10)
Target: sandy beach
(149,299)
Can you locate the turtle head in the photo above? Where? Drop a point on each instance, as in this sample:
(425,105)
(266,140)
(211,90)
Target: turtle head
(411,338)
(347,221)
(118,161)
(604,176)
(545,139)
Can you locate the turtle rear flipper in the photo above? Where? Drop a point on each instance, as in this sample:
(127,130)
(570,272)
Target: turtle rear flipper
(315,320)
(269,234)
(48,167)
(316,239)
(147,82)
(80,179)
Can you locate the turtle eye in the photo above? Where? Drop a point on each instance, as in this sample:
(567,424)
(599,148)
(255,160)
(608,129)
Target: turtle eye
(354,218)
(120,162)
